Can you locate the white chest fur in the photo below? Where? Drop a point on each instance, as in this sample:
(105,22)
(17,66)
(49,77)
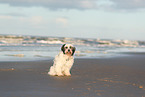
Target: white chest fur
(62,65)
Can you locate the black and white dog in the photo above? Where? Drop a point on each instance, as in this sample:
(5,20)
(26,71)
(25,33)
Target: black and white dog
(63,61)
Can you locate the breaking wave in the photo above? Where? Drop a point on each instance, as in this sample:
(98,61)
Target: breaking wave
(27,47)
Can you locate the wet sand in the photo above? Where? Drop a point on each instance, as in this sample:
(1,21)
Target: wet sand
(103,77)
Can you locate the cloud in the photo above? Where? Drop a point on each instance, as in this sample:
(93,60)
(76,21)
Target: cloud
(129,4)
(53,4)
(34,20)
(62,21)
(5,17)
(13,14)
(80,4)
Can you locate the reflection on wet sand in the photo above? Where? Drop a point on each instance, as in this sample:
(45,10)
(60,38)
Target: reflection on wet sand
(122,82)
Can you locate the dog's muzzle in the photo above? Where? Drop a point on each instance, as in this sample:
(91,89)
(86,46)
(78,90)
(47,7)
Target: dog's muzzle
(68,51)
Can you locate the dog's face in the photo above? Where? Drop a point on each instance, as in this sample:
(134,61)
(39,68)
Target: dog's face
(68,49)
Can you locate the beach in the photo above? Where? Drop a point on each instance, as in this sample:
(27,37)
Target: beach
(91,77)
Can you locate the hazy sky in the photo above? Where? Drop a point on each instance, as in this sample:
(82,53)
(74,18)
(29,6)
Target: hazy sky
(109,19)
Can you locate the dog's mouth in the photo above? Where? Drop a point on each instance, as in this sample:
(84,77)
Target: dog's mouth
(68,52)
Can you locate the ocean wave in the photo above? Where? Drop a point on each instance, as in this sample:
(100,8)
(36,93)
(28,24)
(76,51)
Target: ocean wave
(49,42)
(35,40)
(47,47)
(15,55)
(42,56)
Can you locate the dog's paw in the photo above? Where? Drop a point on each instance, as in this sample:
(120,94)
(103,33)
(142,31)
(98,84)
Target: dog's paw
(52,74)
(67,74)
(60,74)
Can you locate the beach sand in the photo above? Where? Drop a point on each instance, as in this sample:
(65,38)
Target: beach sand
(103,77)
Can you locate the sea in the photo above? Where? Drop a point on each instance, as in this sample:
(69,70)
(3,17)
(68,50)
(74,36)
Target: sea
(32,48)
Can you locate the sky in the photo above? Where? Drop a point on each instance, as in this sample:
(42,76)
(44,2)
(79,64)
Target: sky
(103,19)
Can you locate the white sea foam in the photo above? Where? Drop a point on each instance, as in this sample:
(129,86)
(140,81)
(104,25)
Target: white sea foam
(49,42)
(32,47)
(16,55)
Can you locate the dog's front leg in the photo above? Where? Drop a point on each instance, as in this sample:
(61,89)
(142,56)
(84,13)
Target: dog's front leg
(67,71)
(68,67)
(58,70)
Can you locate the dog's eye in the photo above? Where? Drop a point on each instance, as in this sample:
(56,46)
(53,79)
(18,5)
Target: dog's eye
(66,47)
(70,47)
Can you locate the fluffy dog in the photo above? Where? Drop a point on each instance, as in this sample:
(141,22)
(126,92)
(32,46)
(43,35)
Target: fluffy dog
(63,61)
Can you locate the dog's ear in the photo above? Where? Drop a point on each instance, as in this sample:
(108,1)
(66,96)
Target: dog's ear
(74,49)
(62,48)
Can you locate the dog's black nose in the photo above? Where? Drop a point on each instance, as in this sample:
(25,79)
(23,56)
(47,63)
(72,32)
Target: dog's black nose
(68,50)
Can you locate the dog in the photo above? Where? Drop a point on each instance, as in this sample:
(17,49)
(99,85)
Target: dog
(63,61)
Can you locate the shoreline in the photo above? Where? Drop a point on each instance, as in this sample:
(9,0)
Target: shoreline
(101,77)
(117,55)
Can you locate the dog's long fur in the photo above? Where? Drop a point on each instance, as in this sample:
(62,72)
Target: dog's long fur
(63,61)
